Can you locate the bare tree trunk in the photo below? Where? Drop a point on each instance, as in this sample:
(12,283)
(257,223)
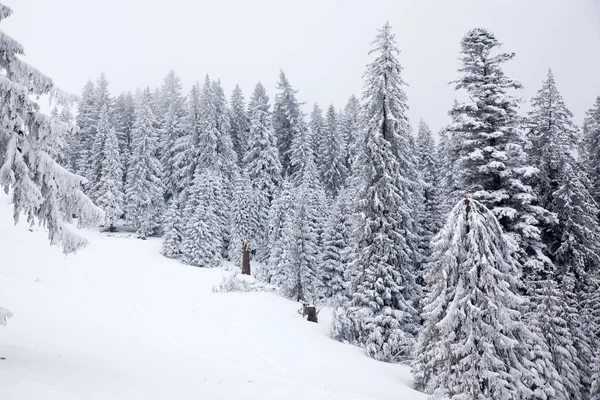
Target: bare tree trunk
(245,258)
(311,312)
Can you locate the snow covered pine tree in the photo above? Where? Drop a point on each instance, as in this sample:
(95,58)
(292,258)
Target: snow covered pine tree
(40,189)
(473,344)
(381,315)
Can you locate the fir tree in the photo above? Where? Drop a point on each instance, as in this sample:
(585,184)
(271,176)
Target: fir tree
(350,129)
(427,165)
(124,117)
(202,240)
(40,189)
(244,221)
(286,116)
(86,122)
(226,165)
(489,153)
(317,132)
(298,275)
(240,123)
(108,190)
(144,188)
(336,247)
(262,163)
(172,105)
(187,148)
(552,135)
(332,156)
(172,231)
(279,213)
(381,314)
(474,342)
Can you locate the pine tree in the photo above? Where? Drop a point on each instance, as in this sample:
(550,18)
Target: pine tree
(172,231)
(552,135)
(317,131)
(261,160)
(124,117)
(332,156)
(350,129)
(226,165)
(187,148)
(591,134)
(286,116)
(42,190)
(489,150)
(202,239)
(300,152)
(474,342)
(336,247)
(108,190)
(298,275)
(382,313)
(86,122)
(172,105)
(427,165)
(144,188)
(240,123)
(244,221)
(279,213)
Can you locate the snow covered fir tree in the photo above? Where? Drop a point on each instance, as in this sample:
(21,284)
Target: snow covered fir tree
(469,252)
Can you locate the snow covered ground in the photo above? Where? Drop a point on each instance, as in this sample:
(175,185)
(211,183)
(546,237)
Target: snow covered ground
(118,321)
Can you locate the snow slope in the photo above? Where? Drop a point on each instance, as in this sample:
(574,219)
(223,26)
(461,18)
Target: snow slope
(118,321)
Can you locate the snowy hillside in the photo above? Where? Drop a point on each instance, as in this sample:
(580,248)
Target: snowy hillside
(118,321)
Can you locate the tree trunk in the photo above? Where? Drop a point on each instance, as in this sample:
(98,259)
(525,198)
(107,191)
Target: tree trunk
(311,312)
(245,258)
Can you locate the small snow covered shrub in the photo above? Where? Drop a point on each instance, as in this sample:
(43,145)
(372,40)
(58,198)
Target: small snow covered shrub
(343,326)
(237,282)
(4,316)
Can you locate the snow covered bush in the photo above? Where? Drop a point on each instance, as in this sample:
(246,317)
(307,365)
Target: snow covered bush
(4,316)
(237,282)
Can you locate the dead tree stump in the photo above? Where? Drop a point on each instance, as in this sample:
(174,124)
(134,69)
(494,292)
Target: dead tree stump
(310,310)
(245,258)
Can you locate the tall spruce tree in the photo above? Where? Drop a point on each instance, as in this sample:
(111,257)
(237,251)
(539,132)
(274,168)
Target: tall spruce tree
(202,242)
(240,123)
(317,131)
(286,117)
(144,189)
(172,117)
(86,123)
(335,272)
(430,215)
(187,148)
(261,160)
(41,190)
(172,231)
(124,116)
(108,178)
(381,315)
(474,341)
(298,275)
(279,213)
(244,220)
(489,153)
(350,129)
(332,155)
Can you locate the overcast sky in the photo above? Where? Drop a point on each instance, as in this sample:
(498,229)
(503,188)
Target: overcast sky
(322,45)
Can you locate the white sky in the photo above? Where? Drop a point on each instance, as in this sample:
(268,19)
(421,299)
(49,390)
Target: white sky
(322,45)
